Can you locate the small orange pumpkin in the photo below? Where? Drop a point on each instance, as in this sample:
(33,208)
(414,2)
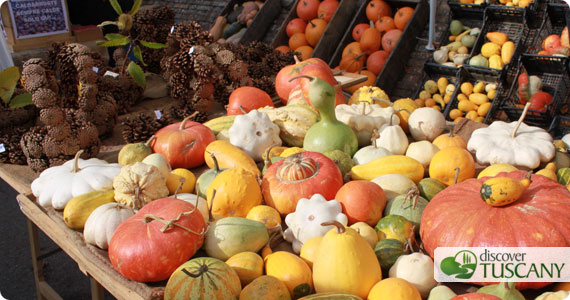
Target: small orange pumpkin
(376,61)
(314,31)
(445,163)
(369,81)
(449,140)
(390,39)
(352,48)
(376,9)
(403,16)
(385,24)
(352,63)
(358,30)
(283,49)
(305,52)
(297,40)
(371,40)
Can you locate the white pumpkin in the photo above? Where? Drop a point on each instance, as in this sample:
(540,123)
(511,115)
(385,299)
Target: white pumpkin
(422,151)
(393,138)
(103,222)
(202,203)
(367,232)
(394,184)
(417,269)
(426,123)
(512,143)
(158,160)
(441,292)
(57,185)
(364,118)
(305,222)
(566,140)
(254,133)
(369,153)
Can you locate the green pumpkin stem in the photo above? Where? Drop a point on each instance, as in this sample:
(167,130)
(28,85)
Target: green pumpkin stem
(521,119)
(152,138)
(183,123)
(76,168)
(339,227)
(203,269)
(182,180)
(242,110)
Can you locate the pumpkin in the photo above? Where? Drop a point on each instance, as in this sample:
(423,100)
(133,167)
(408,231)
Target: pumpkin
(159,161)
(203,278)
(229,156)
(293,120)
(300,176)
(404,107)
(296,25)
(447,140)
(291,270)
(441,292)
(265,288)
(429,187)
(131,153)
(248,266)
(370,95)
(309,250)
(298,40)
(370,80)
(503,290)
(370,41)
(254,133)
(376,9)
(346,263)
(184,143)
(327,9)
(150,245)
(314,31)
(482,225)
(358,30)
(362,201)
(376,61)
(283,82)
(229,236)
(426,123)
(388,250)
(352,63)
(394,288)
(475,296)
(384,24)
(395,227)
(247,98)
(417,269)
(103,222)
(352,48)
(563,176)
(512,143)
(562,286)
(308,9)
(445,163)
(392,164)
(237,191)
(549,171)
(403,16)
(266,215)
(139,184)
(369,153)
(57,185)
(197,201)
(331,296)
(409,206)
(305,222)
(394,184)
(390,39)
(493,170)
(305,52)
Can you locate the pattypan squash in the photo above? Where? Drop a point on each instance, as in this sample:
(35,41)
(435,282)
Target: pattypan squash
(57,185)
(305,222)
(364,118)
(253,133)
(370,95)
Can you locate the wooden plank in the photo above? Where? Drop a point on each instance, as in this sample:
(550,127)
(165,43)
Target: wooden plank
(335,29)
(18,177)
(35,252)
(349,79)
(48,292)
(262,22)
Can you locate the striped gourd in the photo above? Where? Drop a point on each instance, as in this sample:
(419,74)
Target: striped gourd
(331,296)
(203,278)
(563,175)
(387,251)
(219,124)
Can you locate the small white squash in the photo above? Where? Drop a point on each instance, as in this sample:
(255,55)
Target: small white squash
(566,140)
(254,133)
(426,123)
(417,269)
(393,138)
(139,184)
(364,118)
(441,292)
(422,151)
(103,222)
(57,185)
(370,153)
(559,295)
(158,160)
(394,184)
(202,203)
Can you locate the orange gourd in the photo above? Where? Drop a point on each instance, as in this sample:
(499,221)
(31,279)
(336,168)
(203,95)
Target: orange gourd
(445,163)
(376,61)
(283,49)
(376,9)
(371,40)
(314,31)
(403,16)
(390,39)
(297,40)
(371,79)
(327,9)
(385,24)
(352,48)
(305,52)
(358,30)
(352,63)
(448,140)
(308,9)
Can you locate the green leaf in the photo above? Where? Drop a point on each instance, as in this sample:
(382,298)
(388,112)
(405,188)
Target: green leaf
(114,36)
(8,81)
(138,54)
(115,43)
(135,7)
(21,101)
(107,23)
(137,74)
(116,6)
(152,45)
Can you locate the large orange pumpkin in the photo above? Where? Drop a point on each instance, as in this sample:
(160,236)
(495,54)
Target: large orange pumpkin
(385,24)
(352,63)
(403,16)
(371,79)
(376,9)
(376,61)
(326,9)
(390,39)
(457,217)
(315,30)
(353,48)
(358,30)
(308,9)
(371,40)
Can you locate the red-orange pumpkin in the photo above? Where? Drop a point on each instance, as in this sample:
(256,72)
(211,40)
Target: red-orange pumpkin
(371,40)
(282,84)
(308,9)
(475,296)
(326,9)
(315,30)
(362,201)
(457,217)
(376,9)
(247,98)
(376,61)
(358,30)
(353,48)
(390,39)
(352,63)
(403,16)
(385,24)
(296,25)
(300,176)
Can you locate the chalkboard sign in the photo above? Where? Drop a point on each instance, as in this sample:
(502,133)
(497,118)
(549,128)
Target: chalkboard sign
(35,18)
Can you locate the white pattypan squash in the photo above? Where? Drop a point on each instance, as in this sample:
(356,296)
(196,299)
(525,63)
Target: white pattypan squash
(393,138)
(364,118)
(566,140)
(422,151)
(426,123)
(497,144)
(254,133)
(417,269)
(305,222)
(57,185)
(559,295)
(103,222)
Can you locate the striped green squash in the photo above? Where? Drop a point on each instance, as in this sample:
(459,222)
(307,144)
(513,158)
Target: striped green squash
(563,176)
(429,187)
(203,278)
(387,251)
(410,206)
(331,296)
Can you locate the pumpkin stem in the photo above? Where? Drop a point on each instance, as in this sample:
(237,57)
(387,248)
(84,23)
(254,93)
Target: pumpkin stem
(267,161)
(375,136)
(302,76)
(210,215)
(412,195)
(152,138)
(242,110)
(456,175)
(363,107)
(183,123)
(382,100)
(76,168)
(182,180)
(521,119)
(451,131)
(188,146)
(339,227)
(171,223)
(296,59)
(359,56)
(203,269)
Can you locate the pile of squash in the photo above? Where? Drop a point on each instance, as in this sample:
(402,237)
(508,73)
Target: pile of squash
(351,188)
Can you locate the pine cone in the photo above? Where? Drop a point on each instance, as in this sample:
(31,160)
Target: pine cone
(38,164)
(44,98)
(52,116)
(31,142)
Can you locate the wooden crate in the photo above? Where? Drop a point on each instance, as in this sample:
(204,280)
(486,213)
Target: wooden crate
(260,25)
(332,34)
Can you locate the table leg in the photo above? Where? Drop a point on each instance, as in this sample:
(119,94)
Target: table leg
(37,264)
(97,290)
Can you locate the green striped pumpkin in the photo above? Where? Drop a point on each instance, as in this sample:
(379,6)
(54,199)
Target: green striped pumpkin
(203,278)
(429,187)
(563,176)
(409,206)
(387,251)
(331,296)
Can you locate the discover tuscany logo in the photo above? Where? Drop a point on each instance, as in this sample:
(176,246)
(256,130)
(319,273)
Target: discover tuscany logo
(494,264)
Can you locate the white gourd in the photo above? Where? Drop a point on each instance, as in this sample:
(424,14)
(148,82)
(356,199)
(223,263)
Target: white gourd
(394,184)
(422,151)
(103,222)
(393,138)
(426,123)
(254,133)
(417,269)
(364,119)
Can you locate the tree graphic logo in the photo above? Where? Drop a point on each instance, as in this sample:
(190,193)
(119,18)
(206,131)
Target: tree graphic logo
(462,265)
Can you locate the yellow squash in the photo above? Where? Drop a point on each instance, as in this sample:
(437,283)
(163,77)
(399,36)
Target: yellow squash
(498,38)
(248,266)
(229,156)
(404,108)
(495,169)
(291,270)
(392,164)
(507,52)
(79,208)
(549,171)
(237,191)
(220,123)
(501,191)
(265,288)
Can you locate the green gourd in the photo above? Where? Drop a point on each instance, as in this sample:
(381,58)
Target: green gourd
(503,290)
(207,177)
(329,133)
(135,152)
(410,206)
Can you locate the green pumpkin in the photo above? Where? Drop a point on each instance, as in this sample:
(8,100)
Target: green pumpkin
(563,176)
(135,152)
(203,278)
(395,227)
(388,250)
(429,187)
(232,235)
(207,177)
(410,206)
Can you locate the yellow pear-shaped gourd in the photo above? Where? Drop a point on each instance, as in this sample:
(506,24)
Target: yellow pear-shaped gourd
(346,263)
(549,171)
(501,191)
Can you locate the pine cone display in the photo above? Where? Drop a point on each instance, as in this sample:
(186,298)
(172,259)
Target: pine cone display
(140,127)
(10,140)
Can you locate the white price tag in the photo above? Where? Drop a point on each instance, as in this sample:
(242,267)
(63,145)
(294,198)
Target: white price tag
(158,114)
(2,148)
(112,74)
(95,69)
(191,50)
(172,30)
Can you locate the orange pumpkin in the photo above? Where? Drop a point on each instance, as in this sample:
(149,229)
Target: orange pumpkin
(358,30)
(283,49)
(326,9)
(402,16)
(352,63)
(308,9)
(390,39)
(376,61)
(385,24)
(449,140)
(369,81)
(305,52)
(352,48)
(297,40)
(371,40)
(315,30)
(445,162)
(376,9)
(294,26)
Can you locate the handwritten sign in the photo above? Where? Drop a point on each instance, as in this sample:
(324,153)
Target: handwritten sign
(35,18)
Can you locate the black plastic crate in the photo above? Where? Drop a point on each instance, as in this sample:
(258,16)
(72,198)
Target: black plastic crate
(553,23)
(434,72)
(468,7)
(554,75)
(559,127)
(512,22)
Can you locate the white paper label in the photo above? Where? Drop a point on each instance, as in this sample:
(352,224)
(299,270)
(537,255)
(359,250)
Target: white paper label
(172,30)
(95,69)
(191,50)
(112,74)
(2,149)
(158,114)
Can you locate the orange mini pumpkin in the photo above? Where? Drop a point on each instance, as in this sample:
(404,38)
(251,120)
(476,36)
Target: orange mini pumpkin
(297,40)
(385,24)
(371,40)
(390,39)
(314,31)
(376,9)
(445,162)
(376,61)
(352,48)
(305,52)
(403,16)
(448,140)
(358,30)
(352,63)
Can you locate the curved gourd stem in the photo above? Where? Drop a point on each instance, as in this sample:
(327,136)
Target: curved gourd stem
(412,195)
(296,59)
(76,168)
(456,175)
(172,223)
(382,100)
(339,227)
(521,119)
(267,161)
(375,136)
(451,131)
(301,76)
(203,269)
(152,138)
(216,165)
(182,180)
(183,123)
(210,215)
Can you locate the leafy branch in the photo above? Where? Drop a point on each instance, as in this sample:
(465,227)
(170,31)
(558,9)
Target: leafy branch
(8,80)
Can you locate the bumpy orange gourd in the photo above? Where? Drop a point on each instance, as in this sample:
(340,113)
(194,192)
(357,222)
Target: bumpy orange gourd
(237,191)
